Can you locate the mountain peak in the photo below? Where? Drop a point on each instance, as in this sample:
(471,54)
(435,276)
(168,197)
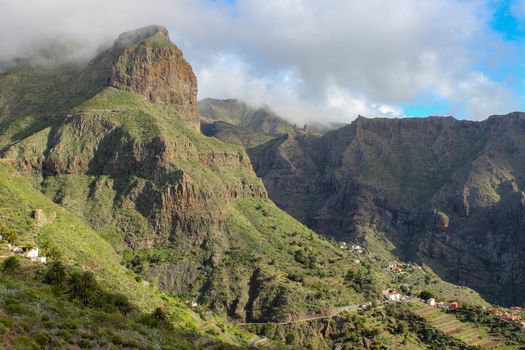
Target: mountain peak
(147,62)
(136,36)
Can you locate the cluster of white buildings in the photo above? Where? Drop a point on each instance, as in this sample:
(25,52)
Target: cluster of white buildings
(452,305)
(353,248)
(392,295)
(31,253)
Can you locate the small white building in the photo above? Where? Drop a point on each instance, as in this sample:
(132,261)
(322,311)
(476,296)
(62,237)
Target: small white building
(392,295)
(431,302)
(357,248)
(32,253)
(39,259)
(442,305)
(343,245)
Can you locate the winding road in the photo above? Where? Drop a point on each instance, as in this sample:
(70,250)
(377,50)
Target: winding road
(335,313)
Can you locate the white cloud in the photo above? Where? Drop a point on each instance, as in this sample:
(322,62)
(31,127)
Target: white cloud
(481,94)
(307,59)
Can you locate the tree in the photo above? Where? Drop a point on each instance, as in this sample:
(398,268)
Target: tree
(402,327)
(425,295)
(82,286)
(53,253)
(56,273)
(159,318)
(159,315)
(8,234)
(119,301)
(10,264)
(405,289)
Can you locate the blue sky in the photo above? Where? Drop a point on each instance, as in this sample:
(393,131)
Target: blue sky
(505,22)
(312,60)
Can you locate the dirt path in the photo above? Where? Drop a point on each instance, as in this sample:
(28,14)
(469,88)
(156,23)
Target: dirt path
(335,313)
(259,341)
(351,308)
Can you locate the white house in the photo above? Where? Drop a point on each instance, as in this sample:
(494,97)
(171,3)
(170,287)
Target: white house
(431,302)
(392,295)
(343,245)
(442,305)
(39,259)
(357,248)
(32,253)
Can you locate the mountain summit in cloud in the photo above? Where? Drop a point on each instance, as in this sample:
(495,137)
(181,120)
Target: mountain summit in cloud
(147,62)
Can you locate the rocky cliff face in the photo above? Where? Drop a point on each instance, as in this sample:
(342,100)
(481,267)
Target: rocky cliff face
(145,61)
(448,191)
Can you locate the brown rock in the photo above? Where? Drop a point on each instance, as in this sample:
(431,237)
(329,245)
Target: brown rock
(145,61)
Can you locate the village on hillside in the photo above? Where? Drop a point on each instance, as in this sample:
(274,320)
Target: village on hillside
(399,268)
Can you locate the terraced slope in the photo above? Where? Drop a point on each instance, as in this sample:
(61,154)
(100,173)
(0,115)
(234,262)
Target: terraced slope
(468,333)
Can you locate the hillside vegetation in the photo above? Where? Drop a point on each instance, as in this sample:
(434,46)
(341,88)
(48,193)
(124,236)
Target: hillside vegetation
(35,314)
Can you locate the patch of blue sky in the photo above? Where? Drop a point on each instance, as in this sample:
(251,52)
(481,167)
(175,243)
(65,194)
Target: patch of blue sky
(428,105)
(505,23)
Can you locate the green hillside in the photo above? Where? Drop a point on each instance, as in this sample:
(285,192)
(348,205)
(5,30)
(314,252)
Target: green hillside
(55,320)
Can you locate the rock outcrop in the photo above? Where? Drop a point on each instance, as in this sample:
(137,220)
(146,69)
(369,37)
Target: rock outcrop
(147,62)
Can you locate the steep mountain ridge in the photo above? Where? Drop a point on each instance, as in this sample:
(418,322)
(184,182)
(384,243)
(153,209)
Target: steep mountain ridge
(235,122)
(447,190)
(239,113)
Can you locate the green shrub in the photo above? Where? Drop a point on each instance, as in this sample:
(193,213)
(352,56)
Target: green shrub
(43,338)
(120,301)
(8,234)
(10,265)
(25,343)
(82,286)
(425,295)
(6,322)
(14,307)
(159,318)
(64,334)
(55,273)
(296,277)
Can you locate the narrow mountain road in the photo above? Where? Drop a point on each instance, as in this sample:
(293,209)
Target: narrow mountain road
(351,308)
(335,313)
(259,341)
